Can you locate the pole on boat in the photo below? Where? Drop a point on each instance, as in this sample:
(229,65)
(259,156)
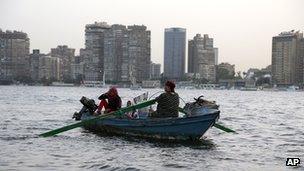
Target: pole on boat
(221,127)
(218,126)
(81,123)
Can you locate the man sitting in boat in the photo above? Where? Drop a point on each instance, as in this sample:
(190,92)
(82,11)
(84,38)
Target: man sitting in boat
(113,103)
(168,102)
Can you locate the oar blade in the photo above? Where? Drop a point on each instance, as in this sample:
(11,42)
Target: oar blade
(223,128)
(59,130)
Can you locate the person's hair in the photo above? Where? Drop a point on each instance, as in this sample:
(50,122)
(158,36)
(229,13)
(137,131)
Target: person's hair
(171,85)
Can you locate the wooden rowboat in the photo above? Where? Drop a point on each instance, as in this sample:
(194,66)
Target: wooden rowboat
(181,128)
(200,116)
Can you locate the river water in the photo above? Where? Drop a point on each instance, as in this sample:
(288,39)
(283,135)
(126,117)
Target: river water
(270,128)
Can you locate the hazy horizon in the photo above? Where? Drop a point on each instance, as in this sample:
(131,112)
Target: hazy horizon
(242,29)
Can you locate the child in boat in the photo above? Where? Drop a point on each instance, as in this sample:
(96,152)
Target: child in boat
(132,114)
(168,102)
(110,101)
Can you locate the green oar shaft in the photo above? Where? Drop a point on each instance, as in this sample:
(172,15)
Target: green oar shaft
(221,127)
(72,126)
(81,123)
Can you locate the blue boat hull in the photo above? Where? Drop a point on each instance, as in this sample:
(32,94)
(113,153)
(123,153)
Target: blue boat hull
(187,128)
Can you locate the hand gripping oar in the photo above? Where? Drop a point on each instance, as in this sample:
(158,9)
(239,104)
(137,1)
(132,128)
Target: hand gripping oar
(221,127)
(81,123)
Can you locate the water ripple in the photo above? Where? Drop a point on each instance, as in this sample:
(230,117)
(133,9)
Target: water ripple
(269,125)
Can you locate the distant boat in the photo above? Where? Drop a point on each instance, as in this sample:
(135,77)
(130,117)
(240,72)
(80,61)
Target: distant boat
(249,89)
(135,87)
(92,84)
(100,84)
(292,88)
(208,86)
(189,88)
(61,84)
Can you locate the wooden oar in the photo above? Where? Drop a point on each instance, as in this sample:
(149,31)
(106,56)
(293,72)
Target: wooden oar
(81,123)
(221,127)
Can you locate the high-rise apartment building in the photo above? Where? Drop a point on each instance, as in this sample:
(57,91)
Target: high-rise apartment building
(215,55)
(202,57)
(287,58)
(127,53)
(155,71)
(49,68)
(14,55)
(174,53)
(139,48)
(34,64)
(195,53)
(301,52)
(116,57)
(77,67)
(67,56)
(121,53)
(94,51)
(77,70)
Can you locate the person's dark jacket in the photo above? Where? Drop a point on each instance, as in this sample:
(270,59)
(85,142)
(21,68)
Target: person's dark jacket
(167,105)
(114,103)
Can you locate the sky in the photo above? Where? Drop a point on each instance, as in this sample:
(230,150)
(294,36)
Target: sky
(242,29)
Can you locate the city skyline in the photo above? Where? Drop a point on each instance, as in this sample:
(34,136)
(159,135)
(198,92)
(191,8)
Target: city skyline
(242,30)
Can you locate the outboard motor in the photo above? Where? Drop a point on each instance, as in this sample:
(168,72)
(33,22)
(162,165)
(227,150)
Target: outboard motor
(88,106)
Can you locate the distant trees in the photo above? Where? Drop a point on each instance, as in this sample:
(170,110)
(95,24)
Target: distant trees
(68,79)
(200,80)
(262,81)
(223,73)
(47,81)
(24,79)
